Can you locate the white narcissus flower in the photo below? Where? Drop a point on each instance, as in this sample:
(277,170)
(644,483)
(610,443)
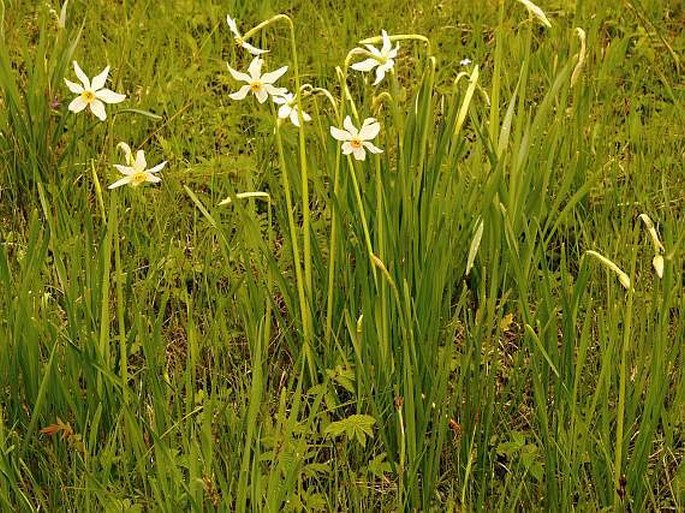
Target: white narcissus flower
(382,60)
(289,108)
(238,37)
(260,85)
(135,171)
(357,141)
(92,93)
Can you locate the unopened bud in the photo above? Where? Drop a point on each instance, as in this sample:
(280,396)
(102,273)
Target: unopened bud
(658,263)
(625,280)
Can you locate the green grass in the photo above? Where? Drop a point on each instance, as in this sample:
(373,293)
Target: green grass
(421,331)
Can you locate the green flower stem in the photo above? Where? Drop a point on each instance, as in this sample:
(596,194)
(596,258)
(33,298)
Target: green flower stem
(119,272)
(104,335)
(306,216)
(397,37)
(332,245)
(112,222)
(304,289)
(621,410)
(346,95)
(516,177)
(304,305)
(380,244)
(365,225)
(493,124)
(334,219)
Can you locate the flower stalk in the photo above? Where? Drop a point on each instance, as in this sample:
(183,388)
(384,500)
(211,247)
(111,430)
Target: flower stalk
(623,278)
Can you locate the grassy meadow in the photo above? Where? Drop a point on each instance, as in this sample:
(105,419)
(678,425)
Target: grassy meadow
(485,316)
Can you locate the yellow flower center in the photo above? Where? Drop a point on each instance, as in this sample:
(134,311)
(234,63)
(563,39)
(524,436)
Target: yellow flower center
(138,178)
(356,143)
(88,96)
(256,86)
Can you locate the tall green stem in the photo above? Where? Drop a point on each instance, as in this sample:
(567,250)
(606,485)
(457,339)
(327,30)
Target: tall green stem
(493,125)
(332,245)
(123,353)
(365,225)
(620,414)
(304,287)
(304,305)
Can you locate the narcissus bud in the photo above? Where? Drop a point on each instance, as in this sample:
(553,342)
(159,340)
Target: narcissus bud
(658,263)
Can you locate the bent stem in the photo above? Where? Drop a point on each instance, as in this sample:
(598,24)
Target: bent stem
(399,37)
(304,284)
(304,289)
(302,146)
